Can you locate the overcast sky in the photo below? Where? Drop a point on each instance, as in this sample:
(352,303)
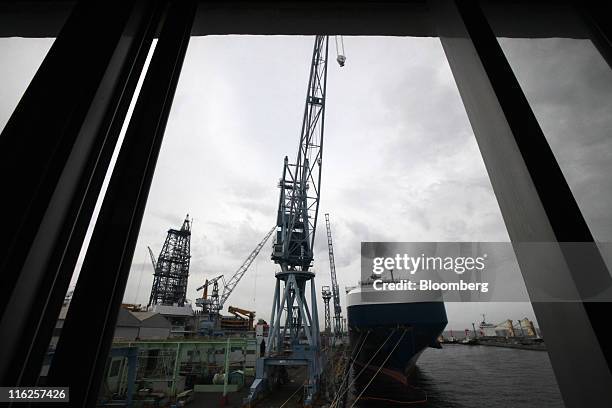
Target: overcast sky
(400,161)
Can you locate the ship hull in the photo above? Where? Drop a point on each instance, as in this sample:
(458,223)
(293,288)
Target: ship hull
(389,337)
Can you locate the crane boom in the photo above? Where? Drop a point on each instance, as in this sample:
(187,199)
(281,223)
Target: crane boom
(153,260)
(230,285)
(334,282)
(300,184)
(210,282)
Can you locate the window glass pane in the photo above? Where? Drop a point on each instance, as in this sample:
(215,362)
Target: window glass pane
(400,164)
(400,161)
(569,87)
(21,58)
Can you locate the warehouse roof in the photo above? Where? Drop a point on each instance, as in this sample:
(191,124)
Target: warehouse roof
(151,319)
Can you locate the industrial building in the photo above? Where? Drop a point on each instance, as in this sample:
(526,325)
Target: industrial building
(130,326)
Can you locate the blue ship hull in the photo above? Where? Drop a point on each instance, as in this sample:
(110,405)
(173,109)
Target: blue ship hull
(374,326)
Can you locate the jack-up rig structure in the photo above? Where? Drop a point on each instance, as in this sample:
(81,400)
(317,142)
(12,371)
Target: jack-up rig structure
(172,268)
(335,291)
(294,335)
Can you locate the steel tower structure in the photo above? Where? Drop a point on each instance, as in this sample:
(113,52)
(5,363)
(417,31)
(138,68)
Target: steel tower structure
(172,268)
(335,289)
(294,337)
(327,295)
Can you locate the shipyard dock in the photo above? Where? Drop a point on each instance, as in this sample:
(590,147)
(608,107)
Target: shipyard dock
(173,373)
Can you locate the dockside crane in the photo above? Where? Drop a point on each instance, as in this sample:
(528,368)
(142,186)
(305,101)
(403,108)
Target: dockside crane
(230,285)
(214,303)
(210,303)
(334,282)
(294,336)
(153,260)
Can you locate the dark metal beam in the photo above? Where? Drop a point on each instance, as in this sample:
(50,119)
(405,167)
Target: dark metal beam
(43,18)
(596,15)
(101,285)
(54,154)
(535,201)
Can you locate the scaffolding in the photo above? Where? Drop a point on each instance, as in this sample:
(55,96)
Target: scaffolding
(327,295)
(172,268)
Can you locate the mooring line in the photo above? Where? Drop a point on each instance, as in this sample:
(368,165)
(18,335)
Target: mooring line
(294,392)
(352,359)
(333,404)
(379,368)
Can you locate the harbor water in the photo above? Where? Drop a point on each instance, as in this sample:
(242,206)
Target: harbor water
(460,376)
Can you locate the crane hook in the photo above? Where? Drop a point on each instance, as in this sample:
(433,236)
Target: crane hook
(341,58)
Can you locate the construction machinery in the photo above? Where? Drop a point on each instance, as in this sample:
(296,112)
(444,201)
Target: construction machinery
(334,282)
(242,320)
(212,303)
(132,307)
(230,285)
(294,336)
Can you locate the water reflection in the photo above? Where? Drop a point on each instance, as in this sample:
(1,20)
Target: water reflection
(466,376)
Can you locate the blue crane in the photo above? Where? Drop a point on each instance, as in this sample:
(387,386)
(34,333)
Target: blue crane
(294,335)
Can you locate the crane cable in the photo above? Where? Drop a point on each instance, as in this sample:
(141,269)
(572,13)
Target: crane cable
(340,395)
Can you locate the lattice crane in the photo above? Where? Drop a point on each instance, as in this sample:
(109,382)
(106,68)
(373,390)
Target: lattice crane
(298,210)
(153,260)
(334,282)
(210,303)
(294,320)
(230,285)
